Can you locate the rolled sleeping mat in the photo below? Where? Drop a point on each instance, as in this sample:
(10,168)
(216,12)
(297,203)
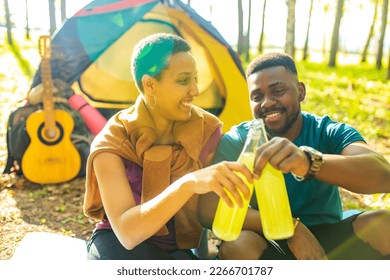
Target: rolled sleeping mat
(94,120)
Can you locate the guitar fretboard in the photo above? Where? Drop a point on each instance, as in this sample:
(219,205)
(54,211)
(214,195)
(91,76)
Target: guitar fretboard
(47,83)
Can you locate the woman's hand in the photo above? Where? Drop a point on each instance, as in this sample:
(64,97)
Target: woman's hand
(304,245)
(222,177)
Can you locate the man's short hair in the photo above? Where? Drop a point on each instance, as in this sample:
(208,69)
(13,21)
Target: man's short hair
(151,55)
(271,59)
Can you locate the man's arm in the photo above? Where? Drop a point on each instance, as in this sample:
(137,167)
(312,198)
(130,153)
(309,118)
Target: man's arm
(358,169)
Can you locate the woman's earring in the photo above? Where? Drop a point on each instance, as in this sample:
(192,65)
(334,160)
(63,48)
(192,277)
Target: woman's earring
(152,97)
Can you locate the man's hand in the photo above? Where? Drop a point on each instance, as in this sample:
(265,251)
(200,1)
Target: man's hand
(282,154)
(304,245)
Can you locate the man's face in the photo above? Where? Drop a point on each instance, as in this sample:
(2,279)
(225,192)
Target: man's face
(275,95)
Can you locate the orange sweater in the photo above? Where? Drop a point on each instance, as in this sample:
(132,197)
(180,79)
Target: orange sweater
(130,134)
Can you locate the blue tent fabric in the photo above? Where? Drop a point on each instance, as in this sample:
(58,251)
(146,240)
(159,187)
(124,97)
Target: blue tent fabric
(83,38)
(88,53)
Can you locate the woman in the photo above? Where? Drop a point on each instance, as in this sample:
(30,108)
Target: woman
(144,173)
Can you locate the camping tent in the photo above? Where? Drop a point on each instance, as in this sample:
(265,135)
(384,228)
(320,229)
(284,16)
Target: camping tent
(91,52)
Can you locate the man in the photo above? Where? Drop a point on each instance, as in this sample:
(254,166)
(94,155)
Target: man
(316,156)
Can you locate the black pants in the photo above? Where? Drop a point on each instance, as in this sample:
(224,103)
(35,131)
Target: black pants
(104,245)
(338,240)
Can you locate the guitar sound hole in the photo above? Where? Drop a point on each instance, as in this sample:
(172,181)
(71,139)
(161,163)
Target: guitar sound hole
(50,142)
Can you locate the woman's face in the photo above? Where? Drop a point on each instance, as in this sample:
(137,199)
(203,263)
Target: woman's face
(177,88)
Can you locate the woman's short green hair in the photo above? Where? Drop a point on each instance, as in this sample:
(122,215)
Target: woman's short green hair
(151,55)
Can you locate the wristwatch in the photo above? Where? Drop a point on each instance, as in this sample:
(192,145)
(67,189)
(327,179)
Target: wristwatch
(316,161)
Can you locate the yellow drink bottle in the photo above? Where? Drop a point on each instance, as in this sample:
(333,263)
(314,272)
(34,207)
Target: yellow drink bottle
(273,202)
(228,221)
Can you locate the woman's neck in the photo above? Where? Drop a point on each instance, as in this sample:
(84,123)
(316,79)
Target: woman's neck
(164,138)
(164,132)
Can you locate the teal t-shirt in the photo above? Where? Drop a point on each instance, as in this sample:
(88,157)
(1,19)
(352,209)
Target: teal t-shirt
(314,201)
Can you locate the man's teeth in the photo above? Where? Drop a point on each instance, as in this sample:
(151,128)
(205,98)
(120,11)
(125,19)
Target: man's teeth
(272,115)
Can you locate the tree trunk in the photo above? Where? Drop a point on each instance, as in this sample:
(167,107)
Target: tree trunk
(306,46)
(260,46)
(370,33)
(379,53)
(290,28)
(247,37)
(63,10)
(324,16)
(240,40)
(388,67)
(8,22)
(27,22)
(52,16)
(335,35)
(211,11)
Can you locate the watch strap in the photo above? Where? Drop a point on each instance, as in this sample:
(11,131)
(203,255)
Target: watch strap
(315,160)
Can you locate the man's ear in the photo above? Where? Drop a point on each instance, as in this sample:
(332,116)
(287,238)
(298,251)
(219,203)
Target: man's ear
(302,91)
(147,83)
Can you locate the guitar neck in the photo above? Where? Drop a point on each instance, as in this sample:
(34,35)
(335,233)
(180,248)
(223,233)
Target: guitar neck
(48,88)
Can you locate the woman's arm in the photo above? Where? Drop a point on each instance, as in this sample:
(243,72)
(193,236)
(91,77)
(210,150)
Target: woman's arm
(135,223)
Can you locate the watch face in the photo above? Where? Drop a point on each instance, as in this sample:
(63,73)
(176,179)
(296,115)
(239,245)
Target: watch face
(313,151)
(316,155)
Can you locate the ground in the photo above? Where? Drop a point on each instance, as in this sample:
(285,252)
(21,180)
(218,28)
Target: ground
(27,207)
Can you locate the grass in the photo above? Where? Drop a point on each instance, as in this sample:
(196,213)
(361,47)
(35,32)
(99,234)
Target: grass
(24,64)
(355,94)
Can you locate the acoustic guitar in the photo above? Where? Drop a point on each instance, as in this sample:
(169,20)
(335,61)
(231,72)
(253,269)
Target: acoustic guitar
(51,157)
